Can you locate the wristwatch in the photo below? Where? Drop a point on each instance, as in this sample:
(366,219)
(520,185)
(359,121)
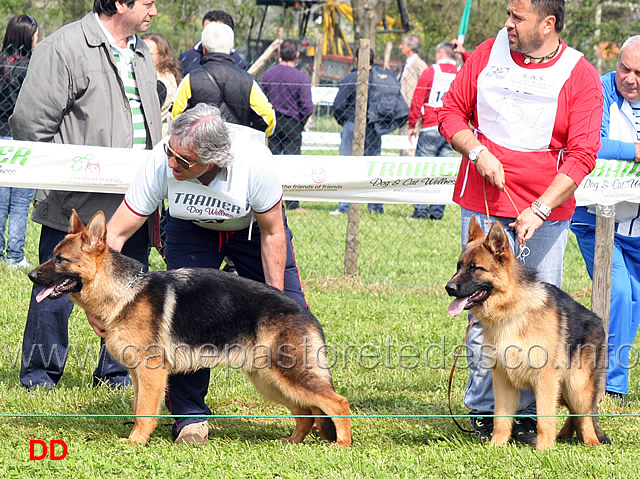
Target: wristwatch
(544,209)
(475,153)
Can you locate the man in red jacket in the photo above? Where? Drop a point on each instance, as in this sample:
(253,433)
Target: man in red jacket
(535,108)
(432,85)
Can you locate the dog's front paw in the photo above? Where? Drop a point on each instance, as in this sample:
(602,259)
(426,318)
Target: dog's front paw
(291,440)
(344,443)
(499,439)
(136,439)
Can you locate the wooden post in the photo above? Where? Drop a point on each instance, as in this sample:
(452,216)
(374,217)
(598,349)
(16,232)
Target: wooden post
(602,263)
(387,54)
(317,63)
(359,132)
(262,62)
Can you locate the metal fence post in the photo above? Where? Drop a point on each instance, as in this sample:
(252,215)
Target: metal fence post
(359,132)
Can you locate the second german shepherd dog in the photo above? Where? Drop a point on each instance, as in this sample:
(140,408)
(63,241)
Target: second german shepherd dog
(179,321)
(535,335)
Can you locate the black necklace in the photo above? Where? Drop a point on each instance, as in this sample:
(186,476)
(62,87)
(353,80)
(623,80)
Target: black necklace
(527,58)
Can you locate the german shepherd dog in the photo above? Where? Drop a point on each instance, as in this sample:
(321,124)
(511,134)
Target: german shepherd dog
(535,335)
(179,321)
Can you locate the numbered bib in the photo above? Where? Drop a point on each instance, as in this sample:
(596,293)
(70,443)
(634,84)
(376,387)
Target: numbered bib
(441,83)
(517,106)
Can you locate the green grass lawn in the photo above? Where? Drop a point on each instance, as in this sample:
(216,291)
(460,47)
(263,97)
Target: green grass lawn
(391,342)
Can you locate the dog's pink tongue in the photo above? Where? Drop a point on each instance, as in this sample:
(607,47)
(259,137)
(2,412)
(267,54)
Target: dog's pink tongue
(44,293)
(457,306)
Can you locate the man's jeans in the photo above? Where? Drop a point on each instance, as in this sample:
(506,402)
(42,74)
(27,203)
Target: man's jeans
(14,204)
(373,147)
(431,144)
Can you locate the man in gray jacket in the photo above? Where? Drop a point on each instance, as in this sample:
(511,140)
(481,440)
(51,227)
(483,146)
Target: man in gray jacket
(93,82)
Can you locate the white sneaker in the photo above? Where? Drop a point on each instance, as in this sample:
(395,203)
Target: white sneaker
(22,264)
(335,213)
(195,433)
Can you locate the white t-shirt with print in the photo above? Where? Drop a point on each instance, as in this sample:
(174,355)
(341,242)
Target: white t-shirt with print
(250,184)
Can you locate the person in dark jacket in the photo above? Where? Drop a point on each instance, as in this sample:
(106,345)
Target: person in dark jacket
(386,111)
(19,39)
(220,83)
(191,58)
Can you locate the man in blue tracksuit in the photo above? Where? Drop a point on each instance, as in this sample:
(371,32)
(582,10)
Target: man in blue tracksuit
(620,135)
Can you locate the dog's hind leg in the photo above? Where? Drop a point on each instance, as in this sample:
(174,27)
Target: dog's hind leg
(333,404)
(568,430)
(267,388)
(303,425)
(304,399)
(581,398)
(151,384)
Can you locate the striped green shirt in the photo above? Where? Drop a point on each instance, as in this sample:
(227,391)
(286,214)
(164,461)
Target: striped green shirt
(124,62)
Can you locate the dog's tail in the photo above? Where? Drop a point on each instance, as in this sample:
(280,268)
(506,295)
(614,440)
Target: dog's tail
(325,425)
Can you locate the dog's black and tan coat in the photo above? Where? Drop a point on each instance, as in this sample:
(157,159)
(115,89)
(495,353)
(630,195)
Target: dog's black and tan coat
(178,321)
(535,335)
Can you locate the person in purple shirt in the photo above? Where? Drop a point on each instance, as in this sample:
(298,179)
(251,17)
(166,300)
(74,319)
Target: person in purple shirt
(289,91)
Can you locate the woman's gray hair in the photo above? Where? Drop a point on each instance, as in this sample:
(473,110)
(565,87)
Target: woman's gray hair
(202,130)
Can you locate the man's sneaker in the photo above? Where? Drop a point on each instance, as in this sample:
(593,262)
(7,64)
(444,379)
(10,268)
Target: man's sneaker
(618,398)
(335,213)
(194,433)
(483,426)
(21,264)
(525,430)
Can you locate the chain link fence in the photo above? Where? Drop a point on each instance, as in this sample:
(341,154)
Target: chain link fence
(376,243)
(13,70)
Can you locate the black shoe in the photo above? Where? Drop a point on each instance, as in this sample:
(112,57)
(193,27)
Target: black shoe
(618,398)
(483,426)
(525,430)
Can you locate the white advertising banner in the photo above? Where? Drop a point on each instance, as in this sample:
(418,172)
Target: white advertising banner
(377,179)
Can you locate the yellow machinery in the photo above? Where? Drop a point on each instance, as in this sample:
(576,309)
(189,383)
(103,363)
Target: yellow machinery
(334,41)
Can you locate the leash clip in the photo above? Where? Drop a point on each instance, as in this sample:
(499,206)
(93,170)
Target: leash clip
(524,252)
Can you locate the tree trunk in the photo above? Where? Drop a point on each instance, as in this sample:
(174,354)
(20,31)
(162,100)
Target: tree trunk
(367,14)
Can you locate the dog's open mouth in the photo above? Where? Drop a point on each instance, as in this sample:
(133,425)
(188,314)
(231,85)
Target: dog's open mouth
(460,304)
(57,290)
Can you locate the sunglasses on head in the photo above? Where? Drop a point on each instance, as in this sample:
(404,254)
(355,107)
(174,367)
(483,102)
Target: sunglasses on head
(182,162)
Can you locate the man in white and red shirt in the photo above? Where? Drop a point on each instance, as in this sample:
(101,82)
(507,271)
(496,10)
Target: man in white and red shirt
(535,108)
(225,200)
(423,123)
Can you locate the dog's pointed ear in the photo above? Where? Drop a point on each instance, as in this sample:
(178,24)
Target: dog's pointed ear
(497,241)
(95,234)
(75,223)
(475,231)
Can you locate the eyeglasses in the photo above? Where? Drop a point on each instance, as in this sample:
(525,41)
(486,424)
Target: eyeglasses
(182,162)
